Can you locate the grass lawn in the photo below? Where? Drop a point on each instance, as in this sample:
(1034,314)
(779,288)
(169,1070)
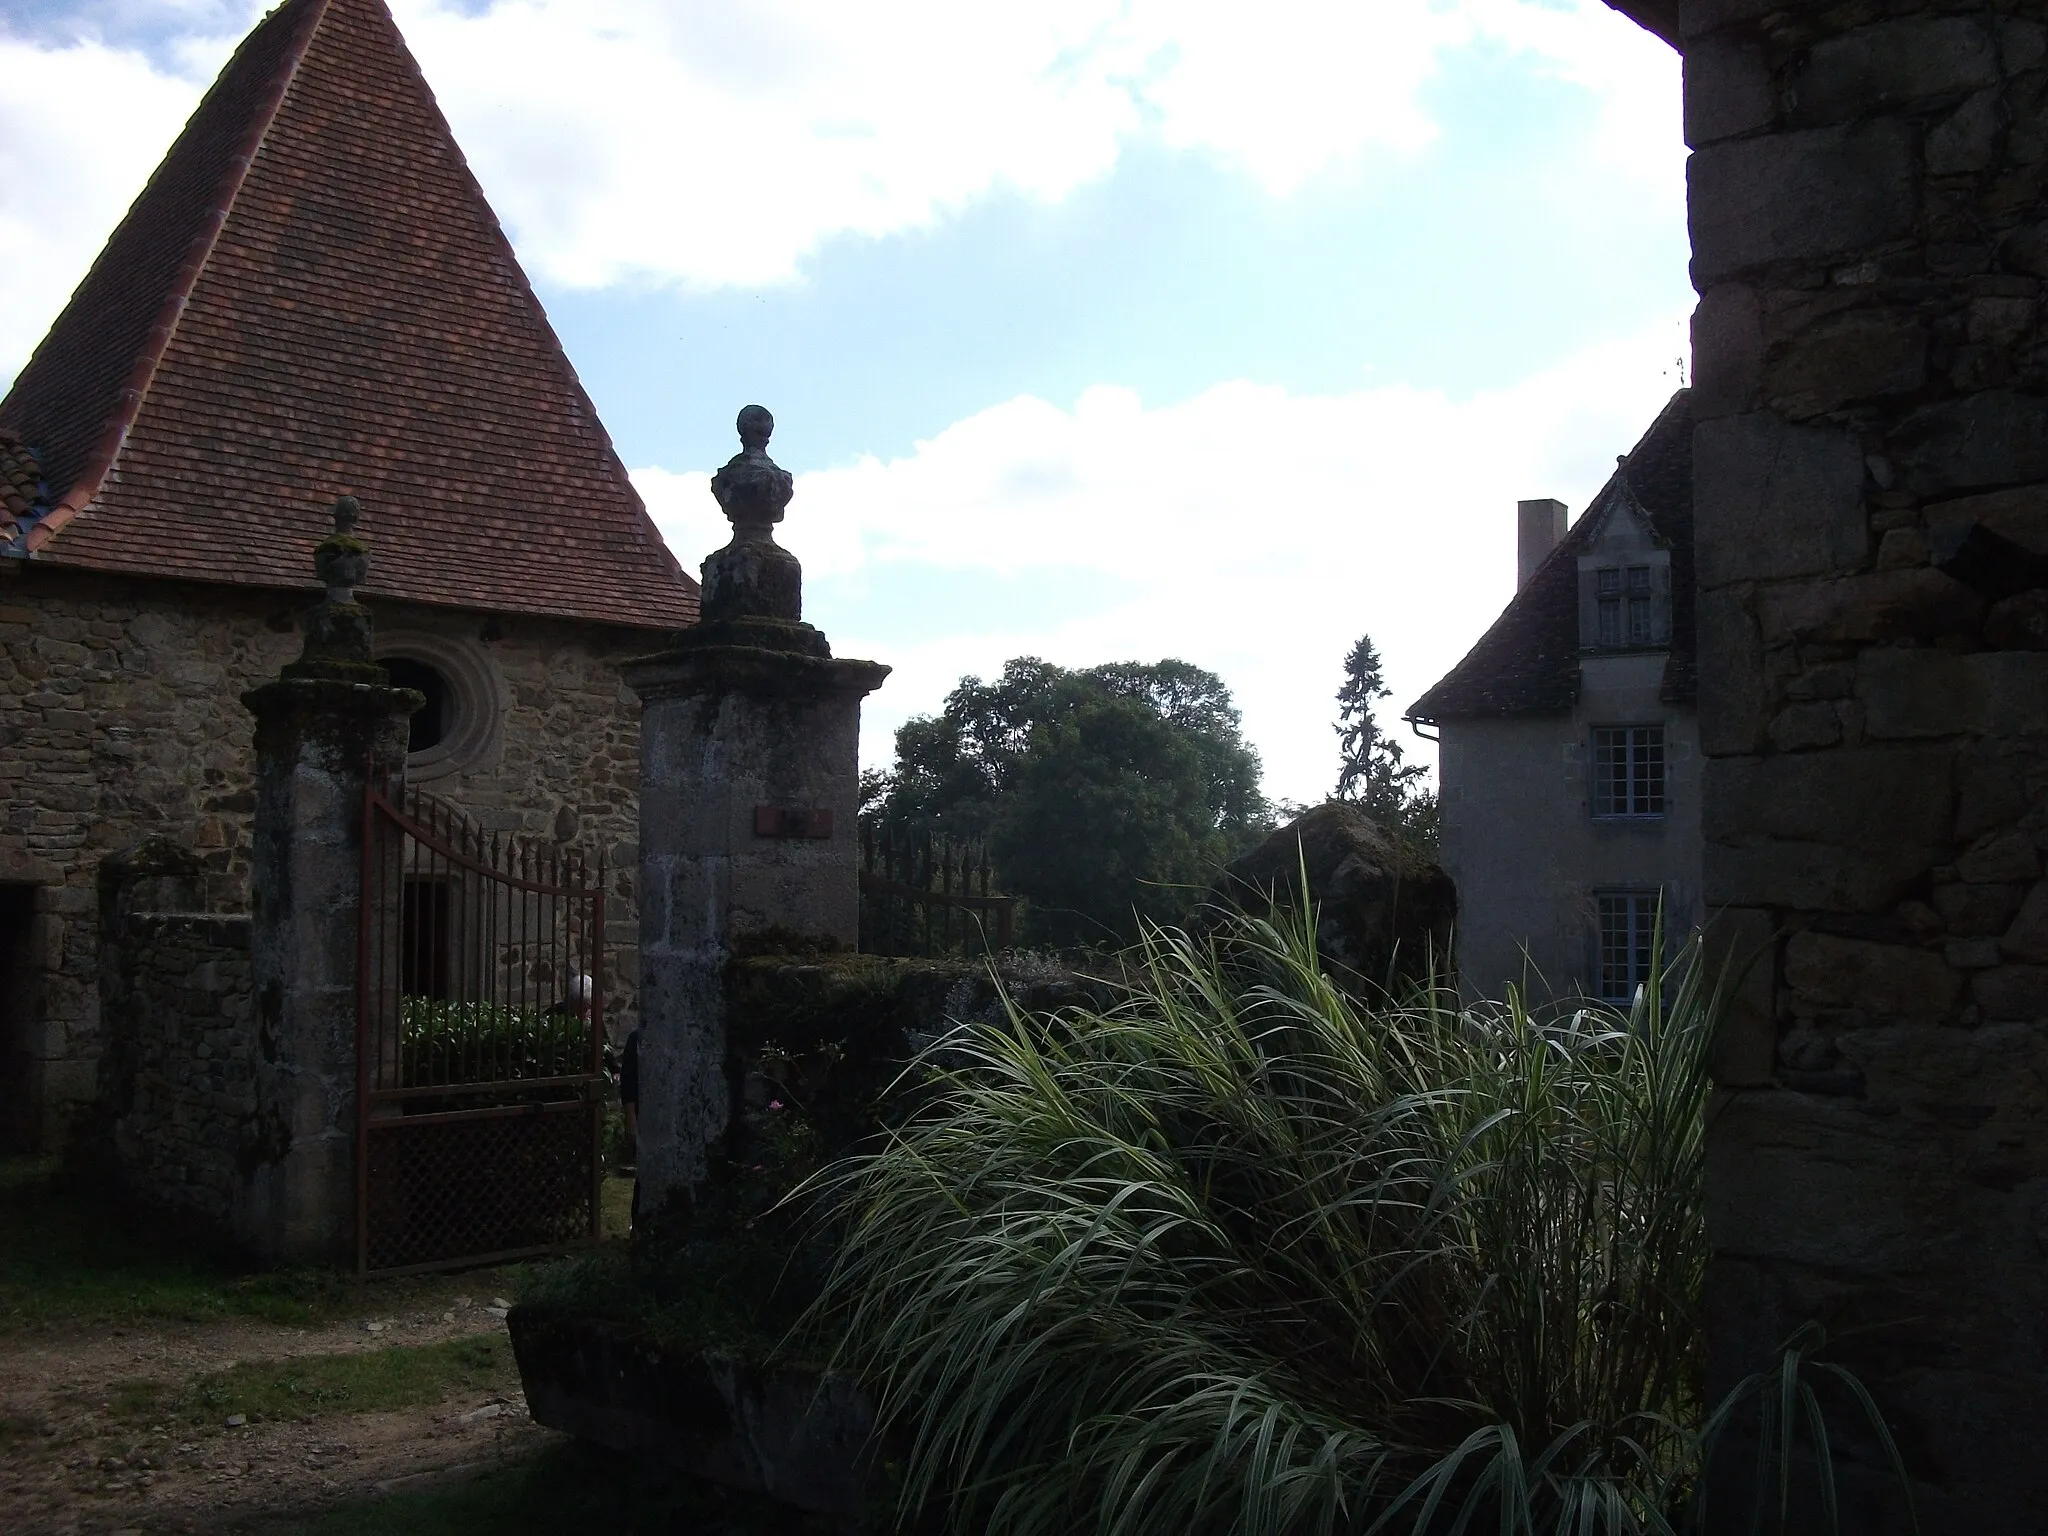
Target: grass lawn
(616,1205)
(573,1488)
(399,1376)
(73,1257)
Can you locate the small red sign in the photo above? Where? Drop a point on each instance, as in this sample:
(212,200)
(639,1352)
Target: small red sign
(792,821)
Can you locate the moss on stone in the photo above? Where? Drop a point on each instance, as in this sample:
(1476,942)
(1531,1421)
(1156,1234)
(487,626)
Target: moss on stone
(724,1295)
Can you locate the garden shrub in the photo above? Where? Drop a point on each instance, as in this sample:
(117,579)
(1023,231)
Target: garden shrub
(443,1042)
(1242,1253)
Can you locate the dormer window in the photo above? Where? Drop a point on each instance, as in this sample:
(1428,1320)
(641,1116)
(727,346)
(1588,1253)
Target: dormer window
(1631,607)
(1629,613)
(1627,605)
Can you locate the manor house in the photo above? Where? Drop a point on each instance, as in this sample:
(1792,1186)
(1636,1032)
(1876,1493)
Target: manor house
(309,298)
(1568,757)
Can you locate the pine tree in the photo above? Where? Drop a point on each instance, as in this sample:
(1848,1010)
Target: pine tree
(1372,774)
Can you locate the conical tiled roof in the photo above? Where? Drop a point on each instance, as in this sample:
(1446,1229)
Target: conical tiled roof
(1528,661)
(311,296)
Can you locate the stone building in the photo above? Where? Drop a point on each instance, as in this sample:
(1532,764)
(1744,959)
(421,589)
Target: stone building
(1568,756)
(1869,210)
(310,297)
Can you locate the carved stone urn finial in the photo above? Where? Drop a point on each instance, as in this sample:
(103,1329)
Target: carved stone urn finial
(753,577)
(337,628)
(342,560)
(752,489)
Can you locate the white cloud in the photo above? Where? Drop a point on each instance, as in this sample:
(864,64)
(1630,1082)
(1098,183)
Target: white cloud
(1249,530)
(82,125)
(641,140)
(702,145)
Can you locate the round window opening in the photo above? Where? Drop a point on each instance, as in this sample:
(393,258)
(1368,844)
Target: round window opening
(457,729)
(432,721)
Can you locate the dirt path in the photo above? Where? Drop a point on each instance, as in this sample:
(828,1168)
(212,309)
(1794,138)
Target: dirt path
(75,1457)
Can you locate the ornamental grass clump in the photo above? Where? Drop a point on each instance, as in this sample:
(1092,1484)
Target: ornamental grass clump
(1245,1253)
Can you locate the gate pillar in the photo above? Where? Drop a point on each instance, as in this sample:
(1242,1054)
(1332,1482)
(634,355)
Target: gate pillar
(323,726)
(749,792)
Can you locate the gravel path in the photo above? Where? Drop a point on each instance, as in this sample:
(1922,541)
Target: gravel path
(69,1463)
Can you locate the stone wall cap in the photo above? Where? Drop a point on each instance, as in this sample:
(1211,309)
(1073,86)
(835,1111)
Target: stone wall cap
(754,632)
(756,670)
(338,695)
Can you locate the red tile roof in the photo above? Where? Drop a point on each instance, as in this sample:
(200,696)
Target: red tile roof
(311,296)
(1528,661)
(21,485)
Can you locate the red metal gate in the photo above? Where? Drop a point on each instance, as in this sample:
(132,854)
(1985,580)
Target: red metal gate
(479,1042)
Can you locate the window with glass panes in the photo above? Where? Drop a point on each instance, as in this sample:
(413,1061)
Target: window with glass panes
(1628,938)
(1625,599)
(1628,770)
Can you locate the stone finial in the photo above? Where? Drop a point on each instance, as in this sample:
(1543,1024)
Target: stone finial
(756,425)
(753,489)
(337,628)
(342,560)
(753,578)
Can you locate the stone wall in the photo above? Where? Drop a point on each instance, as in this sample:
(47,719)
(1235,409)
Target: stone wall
(1870,239)
(178,1032)
(120,715)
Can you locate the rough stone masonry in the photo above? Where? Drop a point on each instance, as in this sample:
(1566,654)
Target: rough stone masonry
(1870,240)
(326,726)
(177,1006)
(119,706)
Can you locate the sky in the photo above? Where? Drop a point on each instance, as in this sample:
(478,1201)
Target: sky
(1094,330)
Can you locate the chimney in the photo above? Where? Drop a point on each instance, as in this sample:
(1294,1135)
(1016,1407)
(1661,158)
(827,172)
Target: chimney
(1539,525)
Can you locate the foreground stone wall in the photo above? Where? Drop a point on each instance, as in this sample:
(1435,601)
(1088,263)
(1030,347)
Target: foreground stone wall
(180,1039)
(120,715)
(1870,242)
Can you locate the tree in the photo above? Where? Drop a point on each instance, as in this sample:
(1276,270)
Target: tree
(1373,775)
(1102,794)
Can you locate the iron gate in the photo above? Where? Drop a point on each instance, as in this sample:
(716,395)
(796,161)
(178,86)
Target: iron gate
(479,1042)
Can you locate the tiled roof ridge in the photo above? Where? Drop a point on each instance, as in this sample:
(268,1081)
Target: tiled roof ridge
(82,491)
(1517,665)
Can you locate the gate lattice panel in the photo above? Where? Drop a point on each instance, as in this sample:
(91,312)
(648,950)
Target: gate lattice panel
(479,1042)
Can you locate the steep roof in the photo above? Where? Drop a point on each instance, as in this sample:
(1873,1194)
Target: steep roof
(311,296)
(1528,661)
(22,492)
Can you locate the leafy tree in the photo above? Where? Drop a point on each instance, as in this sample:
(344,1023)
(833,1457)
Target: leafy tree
(1373,774)
(1101,793)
